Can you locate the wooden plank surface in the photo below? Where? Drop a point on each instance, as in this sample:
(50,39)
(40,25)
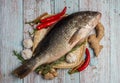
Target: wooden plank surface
(114,39)
(11,29)
(13,14)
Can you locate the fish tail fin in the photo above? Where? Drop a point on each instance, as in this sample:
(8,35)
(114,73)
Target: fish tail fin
(23,71)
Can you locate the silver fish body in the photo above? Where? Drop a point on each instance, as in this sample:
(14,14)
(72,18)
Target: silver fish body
(61,39)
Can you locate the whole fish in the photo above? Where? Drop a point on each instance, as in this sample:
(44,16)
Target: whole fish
(67,33)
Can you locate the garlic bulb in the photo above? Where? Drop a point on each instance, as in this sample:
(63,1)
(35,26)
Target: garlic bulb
(28,43)
(71,58)
(26,54)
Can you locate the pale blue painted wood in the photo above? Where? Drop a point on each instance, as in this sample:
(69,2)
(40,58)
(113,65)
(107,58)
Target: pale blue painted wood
(104,59)
(115,38)
(52,6)
(11,29)
(72,6)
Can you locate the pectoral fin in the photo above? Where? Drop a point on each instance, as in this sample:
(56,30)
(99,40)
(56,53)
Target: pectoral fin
(75,37)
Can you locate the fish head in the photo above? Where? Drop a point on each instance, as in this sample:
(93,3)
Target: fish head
(95,18)
(90,18)
(92,14)
(86,22)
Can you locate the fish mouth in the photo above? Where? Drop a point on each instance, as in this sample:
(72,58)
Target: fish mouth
(99,15)
(96,17)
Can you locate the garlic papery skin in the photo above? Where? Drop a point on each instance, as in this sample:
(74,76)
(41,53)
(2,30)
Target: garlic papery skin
(26,54)
(27,43)
(71,58)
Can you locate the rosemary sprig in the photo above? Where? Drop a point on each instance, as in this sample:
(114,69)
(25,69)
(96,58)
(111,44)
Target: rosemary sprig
(18,55)
(47,67)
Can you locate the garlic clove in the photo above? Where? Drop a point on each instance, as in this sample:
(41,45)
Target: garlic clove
(71,58)
(27,43)
(26,54)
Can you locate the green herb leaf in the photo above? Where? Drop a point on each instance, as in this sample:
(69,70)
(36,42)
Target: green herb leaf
(47,67)
(77,46)
(18,55)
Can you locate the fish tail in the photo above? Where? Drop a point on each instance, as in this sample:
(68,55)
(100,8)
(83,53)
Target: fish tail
(23,71)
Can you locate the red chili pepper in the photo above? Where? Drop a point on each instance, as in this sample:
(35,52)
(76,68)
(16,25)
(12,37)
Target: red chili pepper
(48,23)
(55,16)
(87,61)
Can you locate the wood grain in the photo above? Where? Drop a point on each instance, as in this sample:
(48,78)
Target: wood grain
(114,38)
(13,14)
(11,29)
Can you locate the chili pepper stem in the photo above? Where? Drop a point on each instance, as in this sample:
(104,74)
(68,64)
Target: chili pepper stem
(37,20)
